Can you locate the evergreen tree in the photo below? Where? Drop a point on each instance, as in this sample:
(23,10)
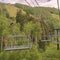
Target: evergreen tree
(21,18)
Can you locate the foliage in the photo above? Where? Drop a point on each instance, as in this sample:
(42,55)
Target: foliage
(21,18)
(28,20)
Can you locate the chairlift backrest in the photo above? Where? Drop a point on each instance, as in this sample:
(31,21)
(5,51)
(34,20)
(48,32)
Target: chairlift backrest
(16,36)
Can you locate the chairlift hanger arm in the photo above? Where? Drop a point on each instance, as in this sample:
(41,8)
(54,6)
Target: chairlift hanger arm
(27,2)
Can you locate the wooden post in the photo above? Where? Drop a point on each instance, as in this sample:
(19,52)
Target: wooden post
(1,43)
(57,41)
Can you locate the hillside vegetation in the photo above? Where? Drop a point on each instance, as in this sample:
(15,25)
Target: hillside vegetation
(38,23)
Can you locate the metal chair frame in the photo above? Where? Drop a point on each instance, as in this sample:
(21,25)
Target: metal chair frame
(18,47)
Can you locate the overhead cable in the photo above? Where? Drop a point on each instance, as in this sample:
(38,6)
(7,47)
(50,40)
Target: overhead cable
(27,2)
(37,2)
(33,3)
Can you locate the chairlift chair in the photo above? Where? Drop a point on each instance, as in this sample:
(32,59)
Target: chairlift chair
(18,36)
(23,47)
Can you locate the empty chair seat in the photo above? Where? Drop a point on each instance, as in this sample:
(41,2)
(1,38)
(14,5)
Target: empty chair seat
(45,40)
(17,48)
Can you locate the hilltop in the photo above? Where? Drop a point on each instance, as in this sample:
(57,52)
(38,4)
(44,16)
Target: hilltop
(12,9)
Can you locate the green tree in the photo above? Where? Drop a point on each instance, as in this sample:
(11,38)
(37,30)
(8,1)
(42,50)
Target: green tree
(34,29)
(21,18)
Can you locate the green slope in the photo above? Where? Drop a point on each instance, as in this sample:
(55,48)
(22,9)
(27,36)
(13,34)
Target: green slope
(32,25)
(37,11)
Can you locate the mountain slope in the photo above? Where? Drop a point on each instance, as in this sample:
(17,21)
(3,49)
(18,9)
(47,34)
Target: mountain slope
(34,22)
(11,9)
(37,11)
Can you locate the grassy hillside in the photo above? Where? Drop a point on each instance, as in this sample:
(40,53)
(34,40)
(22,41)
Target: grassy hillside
(9,8)
(36,22)
(12,10)
(38,11)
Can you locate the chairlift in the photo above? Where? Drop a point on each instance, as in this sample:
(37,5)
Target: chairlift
(14,36)
(22,47)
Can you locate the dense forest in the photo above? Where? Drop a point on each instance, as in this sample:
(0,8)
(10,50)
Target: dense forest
(37,23)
